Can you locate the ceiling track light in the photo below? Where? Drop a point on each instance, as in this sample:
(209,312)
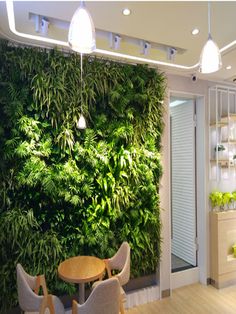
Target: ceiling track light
(41,24)
(115,41)
(81,36)
(37,23)
(210,58)
(146,46)
(171,53)
(44,26)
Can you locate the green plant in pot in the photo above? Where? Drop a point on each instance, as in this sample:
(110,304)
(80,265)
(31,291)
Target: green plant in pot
(216,198)
(227,199)
(234,250)
(234,158)
(234,199)
(219,149)
(222,201)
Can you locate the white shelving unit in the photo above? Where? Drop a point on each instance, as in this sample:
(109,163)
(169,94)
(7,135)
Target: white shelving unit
(222,133)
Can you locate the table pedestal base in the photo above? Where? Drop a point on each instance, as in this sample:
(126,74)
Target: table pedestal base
(81,293)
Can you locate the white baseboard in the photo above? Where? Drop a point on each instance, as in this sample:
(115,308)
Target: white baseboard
(142,296)
(137,297)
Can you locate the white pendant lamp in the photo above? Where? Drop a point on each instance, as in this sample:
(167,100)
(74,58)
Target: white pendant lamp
(81,124)
(210,59)
(81,37)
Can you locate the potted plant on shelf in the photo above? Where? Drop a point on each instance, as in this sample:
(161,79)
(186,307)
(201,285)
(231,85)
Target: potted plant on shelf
(234,200)
(234,159)
(222,200)
(220,149)
(216,198)
(234,250)
(227,199)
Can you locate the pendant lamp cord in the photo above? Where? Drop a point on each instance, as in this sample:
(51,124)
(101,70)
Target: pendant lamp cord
(81,82)
(209,18)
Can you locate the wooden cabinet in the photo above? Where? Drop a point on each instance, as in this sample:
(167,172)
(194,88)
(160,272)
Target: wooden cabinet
(222,238)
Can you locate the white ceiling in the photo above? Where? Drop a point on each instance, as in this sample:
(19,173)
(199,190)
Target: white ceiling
(161,23)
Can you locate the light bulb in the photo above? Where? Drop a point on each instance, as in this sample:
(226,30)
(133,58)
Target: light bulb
(81,123)
(210,59)
(81,35)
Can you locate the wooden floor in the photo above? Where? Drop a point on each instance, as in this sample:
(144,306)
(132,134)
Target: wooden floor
(193,299)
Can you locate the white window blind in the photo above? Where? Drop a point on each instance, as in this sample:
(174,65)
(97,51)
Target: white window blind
(183,182)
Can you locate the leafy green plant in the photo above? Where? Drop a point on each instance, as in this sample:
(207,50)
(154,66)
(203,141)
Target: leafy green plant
(227,199)
(234,195)
(219,148)
(22,241)
(90,188)
(216,198)
(222,200)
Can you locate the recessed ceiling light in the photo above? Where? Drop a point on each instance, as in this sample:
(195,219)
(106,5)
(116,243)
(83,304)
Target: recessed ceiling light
(126,11)
(228,67)
(195,31)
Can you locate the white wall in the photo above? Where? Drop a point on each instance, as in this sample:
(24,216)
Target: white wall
(185,84)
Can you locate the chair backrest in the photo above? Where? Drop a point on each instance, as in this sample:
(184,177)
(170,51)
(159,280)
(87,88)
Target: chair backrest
(121,261)
(104,299)
(28,300)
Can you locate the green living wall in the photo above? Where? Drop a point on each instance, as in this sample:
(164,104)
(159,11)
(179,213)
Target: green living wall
(66,191)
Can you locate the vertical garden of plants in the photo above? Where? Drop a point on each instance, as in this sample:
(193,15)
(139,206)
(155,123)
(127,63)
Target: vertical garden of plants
(65,191)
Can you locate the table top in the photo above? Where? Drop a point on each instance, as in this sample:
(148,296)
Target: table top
(81,269)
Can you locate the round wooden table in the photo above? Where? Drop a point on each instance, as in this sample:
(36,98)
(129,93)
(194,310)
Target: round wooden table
(81,269)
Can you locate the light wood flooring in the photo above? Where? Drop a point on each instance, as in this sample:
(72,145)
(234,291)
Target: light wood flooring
(193,299)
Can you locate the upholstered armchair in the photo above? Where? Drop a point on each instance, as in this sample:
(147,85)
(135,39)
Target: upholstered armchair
(104,299)
(121,263)
(29,300)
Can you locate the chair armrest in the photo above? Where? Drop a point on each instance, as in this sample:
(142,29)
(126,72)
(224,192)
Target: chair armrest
(47,302)
(41,282)
(74,307)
